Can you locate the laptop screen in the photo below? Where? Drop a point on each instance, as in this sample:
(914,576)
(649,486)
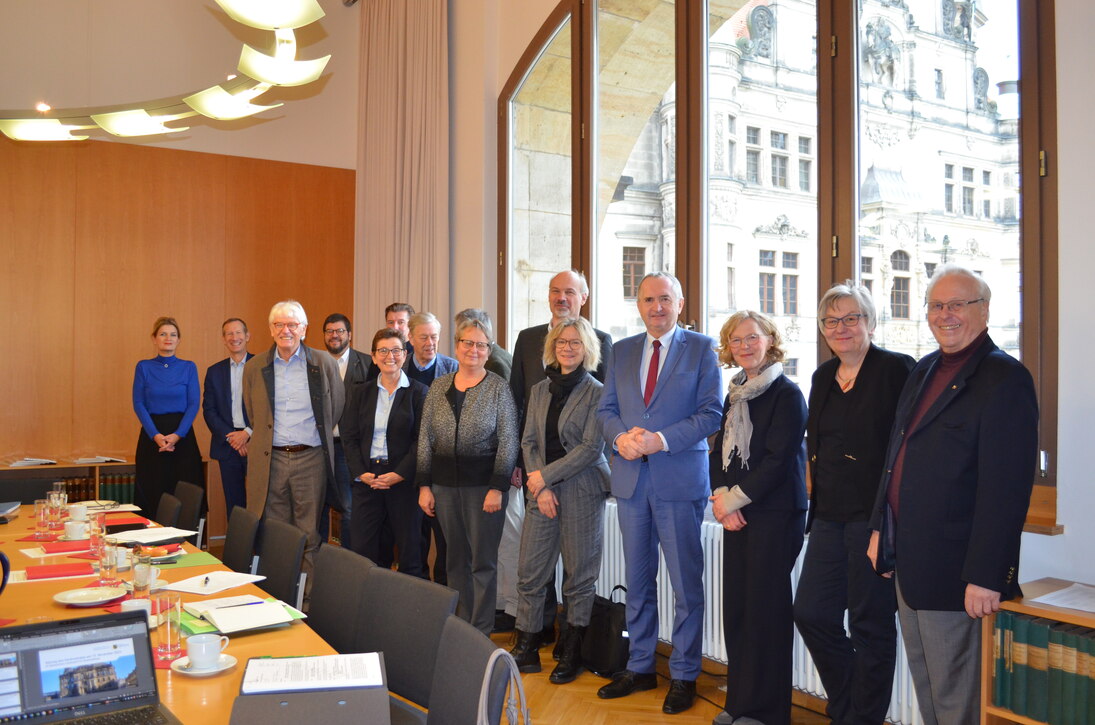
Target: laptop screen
(52,671)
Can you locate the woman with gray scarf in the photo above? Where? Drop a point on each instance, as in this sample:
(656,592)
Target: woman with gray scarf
(758,468)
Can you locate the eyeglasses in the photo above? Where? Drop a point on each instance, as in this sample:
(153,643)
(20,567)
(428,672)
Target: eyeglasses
(747,341)
(386,351)
(279,326)
(561,344)
(851,320)
(339,331)
(934,308)
(469,344)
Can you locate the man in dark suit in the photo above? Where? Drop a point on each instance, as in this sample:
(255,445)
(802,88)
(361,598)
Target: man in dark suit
(567,294)
(353,368)
(294,399)
(662,399)
(954,493)
(222,408)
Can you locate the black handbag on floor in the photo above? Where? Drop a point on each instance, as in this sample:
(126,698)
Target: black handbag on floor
(605,646)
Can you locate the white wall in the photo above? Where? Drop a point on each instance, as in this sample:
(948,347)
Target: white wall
(83,53)
(1072,555)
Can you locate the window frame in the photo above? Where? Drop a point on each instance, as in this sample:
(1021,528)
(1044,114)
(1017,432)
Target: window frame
(836,179)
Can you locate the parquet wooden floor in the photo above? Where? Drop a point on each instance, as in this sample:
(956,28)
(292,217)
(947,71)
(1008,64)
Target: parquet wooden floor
(577,703)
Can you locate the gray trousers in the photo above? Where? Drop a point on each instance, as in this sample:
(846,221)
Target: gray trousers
(298,484)
(577,530)
(471,562)
(944,652)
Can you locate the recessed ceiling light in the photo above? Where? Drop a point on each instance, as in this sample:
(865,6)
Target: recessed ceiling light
(42,107)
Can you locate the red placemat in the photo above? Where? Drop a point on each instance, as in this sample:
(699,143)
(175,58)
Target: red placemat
(46,571)
(5,622)
(62,547)
(117,520)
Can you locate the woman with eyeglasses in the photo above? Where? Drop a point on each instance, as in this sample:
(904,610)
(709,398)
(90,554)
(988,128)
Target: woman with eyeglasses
(467,447)
(853,400)
(758,470)
(165,398)
(380,436)
(568,479)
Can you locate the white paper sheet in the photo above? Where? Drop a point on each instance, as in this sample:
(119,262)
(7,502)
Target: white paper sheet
(147,536)
(289,674)
(1077,596)
(214,582)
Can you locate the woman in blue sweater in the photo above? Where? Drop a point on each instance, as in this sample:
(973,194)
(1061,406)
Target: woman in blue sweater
(165,399)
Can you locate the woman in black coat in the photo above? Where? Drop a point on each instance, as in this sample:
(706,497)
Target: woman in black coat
(853,398)
(380,436)
(759,496)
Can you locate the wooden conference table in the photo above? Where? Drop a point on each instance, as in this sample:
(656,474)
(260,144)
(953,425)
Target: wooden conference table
(191,699)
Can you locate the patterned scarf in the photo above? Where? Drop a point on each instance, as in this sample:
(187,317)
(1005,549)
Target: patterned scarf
(739,427)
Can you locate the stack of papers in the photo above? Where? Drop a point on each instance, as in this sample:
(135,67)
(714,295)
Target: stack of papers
(328,672)
(214,582)
(153,536)
(90,460)
(236,614)
(33,462)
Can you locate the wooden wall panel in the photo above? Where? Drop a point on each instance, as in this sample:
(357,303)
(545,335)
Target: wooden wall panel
(36,294)
(98,239)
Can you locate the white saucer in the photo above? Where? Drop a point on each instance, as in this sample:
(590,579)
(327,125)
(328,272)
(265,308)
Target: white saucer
(89,596)
(168,558)
(156,585)
(225,662)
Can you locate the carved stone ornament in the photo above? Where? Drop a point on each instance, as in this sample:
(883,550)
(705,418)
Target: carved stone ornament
(723,207)
(718,142)
(883,136)
(880,52)
(782,228)
(980,89)
(762,30)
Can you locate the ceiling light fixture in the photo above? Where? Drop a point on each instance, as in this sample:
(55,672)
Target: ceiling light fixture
(223,102)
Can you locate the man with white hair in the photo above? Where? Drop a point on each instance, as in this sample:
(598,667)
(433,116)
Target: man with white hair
(949,513)
(294,399)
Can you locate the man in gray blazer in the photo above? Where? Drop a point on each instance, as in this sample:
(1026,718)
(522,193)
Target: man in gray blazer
(353,368)
(294,398)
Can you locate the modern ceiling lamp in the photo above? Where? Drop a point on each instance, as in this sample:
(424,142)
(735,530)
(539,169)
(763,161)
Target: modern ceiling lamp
(224,102)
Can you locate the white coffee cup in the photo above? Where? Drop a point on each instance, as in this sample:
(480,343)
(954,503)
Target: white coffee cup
(76,530)
(144,605)
(77,512)
(204,650)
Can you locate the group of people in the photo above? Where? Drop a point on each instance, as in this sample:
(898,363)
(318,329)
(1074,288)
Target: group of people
(920,477)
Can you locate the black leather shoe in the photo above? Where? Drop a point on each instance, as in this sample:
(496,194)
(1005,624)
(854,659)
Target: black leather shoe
(626,682)
(681,695)
(503,622)
(547,635)
(526,653)
(570,658)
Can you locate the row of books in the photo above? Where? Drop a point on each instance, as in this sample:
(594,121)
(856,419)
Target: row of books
(115,487)
(1044,669)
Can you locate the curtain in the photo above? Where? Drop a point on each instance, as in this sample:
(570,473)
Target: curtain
(402,228)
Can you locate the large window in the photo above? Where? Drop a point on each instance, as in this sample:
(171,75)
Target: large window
(871,140)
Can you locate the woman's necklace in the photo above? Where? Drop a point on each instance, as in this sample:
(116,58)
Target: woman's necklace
(846,383)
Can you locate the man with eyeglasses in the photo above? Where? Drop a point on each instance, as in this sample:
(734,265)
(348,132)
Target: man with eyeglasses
(294,398)
(353,368)
(568,292)
(949,514)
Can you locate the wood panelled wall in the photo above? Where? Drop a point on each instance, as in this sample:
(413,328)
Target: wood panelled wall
(98,239)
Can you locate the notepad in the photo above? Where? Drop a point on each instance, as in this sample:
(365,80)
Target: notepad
(229,620)
(199,609)
(326,672)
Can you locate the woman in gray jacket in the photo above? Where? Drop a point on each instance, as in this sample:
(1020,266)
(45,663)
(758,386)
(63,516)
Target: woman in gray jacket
(467,448)
(567,485)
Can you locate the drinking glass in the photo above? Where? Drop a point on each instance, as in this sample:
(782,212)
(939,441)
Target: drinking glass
(58,504)
(168,605)
(98,532)
(41,518)
(142,573)
(108,565)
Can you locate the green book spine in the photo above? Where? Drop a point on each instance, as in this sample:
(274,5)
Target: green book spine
(999,665)
(1020,637)
(1068,679)
(1089,644)
(1083,677)
(1037,669)
(1055,715)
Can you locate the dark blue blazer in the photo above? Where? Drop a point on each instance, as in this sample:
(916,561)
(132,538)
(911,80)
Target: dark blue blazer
(776,477)
(443,365)
(217,408)
(967,476)
(359,420)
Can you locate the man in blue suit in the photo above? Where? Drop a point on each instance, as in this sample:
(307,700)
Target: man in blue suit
(662,399)
(222,407)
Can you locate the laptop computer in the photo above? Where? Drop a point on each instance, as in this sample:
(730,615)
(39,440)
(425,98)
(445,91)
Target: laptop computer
(78,669)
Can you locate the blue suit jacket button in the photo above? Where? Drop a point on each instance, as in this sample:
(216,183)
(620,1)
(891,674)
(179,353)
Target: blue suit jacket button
(646,416)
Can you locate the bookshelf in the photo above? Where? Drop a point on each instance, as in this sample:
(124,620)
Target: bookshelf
(60,470)
(990,714)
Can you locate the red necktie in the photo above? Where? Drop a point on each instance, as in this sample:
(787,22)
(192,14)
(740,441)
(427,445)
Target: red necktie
(652,373)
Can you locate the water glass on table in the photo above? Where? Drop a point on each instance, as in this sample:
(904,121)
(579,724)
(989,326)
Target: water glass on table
(41,518)
(168,606)
(108,565)
(97,532)
(143,573)
(58,505)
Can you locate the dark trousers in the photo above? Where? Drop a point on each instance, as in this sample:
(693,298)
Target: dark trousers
(234,482)
(431,524)
(397,506)
(338,497)
(758,618)
(857,670)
